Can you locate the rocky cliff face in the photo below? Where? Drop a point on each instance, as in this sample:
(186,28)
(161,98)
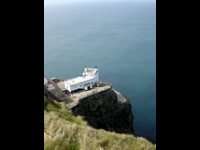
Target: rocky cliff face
(108,110)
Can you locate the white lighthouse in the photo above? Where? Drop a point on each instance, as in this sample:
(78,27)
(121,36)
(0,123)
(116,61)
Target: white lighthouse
(89,77)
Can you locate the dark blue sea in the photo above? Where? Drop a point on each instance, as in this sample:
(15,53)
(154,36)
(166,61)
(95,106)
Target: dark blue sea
(119,38)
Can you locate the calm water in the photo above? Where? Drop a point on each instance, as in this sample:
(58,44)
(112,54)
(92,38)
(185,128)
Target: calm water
(119,38)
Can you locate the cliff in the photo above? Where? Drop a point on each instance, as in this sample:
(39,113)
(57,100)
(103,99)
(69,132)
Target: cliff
(100,118)
(108,110)
(63,130)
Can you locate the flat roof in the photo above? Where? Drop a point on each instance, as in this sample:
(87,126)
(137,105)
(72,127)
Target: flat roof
(78,80)
(91,71)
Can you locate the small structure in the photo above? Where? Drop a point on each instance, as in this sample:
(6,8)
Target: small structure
(89,77)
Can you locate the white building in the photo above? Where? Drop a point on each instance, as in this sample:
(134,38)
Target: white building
(89,77)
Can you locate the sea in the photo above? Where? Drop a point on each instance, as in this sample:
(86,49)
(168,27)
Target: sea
(117,37)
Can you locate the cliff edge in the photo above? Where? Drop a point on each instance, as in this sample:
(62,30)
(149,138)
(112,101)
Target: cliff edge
(108,110)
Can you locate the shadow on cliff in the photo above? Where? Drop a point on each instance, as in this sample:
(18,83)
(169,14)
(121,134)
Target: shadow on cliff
(105,110)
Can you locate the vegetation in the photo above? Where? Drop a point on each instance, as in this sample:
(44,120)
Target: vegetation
(64,131)
(62,112)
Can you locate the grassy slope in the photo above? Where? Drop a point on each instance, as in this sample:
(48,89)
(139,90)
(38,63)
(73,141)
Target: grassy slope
(63,131)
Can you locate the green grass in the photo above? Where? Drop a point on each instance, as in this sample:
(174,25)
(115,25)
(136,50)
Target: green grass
(65,143)
(64,131)
(62,111)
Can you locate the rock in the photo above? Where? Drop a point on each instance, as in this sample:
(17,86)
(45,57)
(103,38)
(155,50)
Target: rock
(52,91)
(108,110)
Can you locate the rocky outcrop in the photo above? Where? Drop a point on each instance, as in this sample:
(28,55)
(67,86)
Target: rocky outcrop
(52,91)
(108,110)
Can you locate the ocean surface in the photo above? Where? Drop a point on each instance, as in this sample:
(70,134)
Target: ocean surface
(119,38)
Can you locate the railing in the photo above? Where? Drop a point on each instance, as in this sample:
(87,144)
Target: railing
(102,83)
